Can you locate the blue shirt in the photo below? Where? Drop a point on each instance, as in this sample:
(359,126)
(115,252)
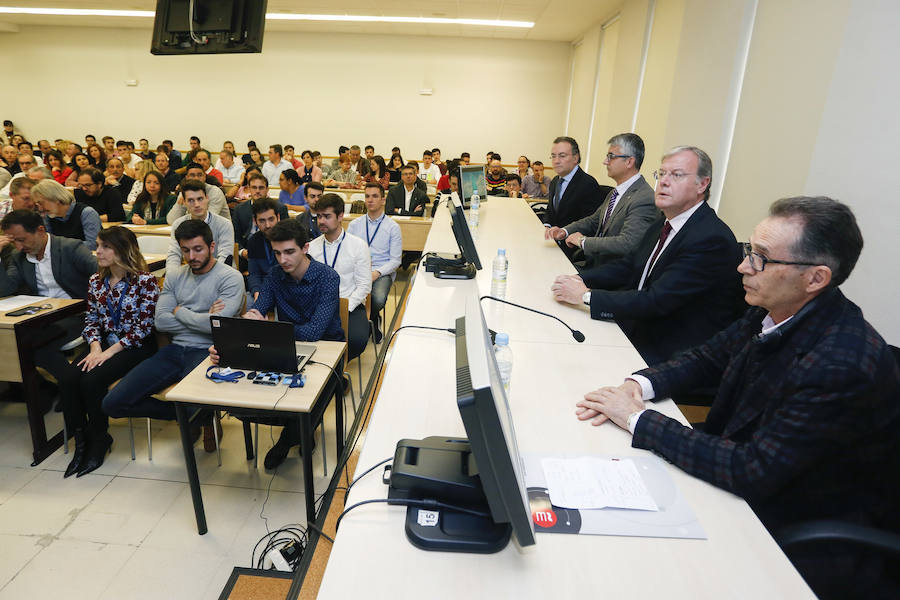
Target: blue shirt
(563,184)
(311,304)
(260,260)
(298,198)
(384,239)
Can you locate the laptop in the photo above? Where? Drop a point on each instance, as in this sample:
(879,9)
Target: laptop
(252,345)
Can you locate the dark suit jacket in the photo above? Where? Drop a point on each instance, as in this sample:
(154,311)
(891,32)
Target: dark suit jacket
(396,201)
(242,219)
(693,291)
(309,223)
(124,187)
(71,261)
(632,215)
(581,198)
(805,425)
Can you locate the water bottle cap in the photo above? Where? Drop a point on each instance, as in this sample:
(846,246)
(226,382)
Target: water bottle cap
(502,339)
(501,251)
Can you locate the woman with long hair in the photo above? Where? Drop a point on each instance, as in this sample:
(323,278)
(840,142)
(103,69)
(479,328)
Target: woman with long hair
(140,171)
(118,327)
(394,167)
(97,156)
(79,162)
(154,201)
(378,172)
(523,167)
(61,171)
(243,192)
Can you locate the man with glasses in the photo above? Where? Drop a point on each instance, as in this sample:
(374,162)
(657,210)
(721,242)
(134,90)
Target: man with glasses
(679,287)
(805,422)
(573,194)
(616,228)
(91,190)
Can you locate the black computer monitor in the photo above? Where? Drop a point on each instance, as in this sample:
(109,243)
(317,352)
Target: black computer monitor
(482,475)
(215,27)
(456,266)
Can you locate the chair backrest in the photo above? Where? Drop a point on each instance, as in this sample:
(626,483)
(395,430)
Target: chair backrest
(345,323)
(357,196)
(153,244)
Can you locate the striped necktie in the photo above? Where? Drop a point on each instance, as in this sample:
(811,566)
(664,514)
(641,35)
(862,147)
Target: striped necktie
(612,204)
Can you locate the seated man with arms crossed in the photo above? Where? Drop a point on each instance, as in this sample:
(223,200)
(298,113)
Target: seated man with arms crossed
(616,228)
(191,293)
(406,198)
(806,421)
(305,292)
(679,287)
(385,241)
(194,196)
(349,256)
(260,257)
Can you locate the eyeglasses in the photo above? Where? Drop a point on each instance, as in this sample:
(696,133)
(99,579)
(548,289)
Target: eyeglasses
(611,156)
(758,261)
(676,175)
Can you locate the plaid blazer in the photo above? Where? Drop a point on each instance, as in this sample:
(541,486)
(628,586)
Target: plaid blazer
(805,425)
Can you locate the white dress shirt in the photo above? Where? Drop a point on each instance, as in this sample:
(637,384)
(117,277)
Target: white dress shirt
(349,256)
(677,222)
(43,275)
(232,174)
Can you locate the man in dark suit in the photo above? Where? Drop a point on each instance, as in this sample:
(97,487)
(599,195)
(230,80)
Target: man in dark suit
(573,194)
(46,265)
(242,217)
(806,421)
(312,192)
(617,227)
(406,198)
(679,287)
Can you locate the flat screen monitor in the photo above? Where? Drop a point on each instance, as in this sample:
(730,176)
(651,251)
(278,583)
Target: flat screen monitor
(471,178)
(214,26)
(485,412)
(462,233)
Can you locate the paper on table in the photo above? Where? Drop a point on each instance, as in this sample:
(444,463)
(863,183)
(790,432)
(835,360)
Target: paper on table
(590,482)
(14,302)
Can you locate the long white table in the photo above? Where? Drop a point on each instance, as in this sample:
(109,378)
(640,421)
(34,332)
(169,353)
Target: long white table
(371,555)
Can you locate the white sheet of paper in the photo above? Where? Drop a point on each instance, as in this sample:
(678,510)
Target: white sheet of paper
(590,482)
(14,302)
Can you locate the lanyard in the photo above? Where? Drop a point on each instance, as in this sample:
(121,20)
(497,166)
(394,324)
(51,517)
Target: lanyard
(372,239)
(115,314)
(336,252)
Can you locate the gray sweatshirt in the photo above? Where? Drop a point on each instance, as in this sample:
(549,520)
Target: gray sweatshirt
(223,236)
(195,294)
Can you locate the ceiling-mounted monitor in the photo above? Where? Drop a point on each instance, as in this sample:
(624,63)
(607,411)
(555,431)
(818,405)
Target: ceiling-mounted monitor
(208,26)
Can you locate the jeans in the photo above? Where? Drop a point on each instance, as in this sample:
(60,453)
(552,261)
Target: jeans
(132,396)
(380,289)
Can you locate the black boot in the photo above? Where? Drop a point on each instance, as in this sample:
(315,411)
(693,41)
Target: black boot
(81,443)
(97,451)
(290,437)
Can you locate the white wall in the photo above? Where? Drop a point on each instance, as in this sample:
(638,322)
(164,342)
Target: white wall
(310,90)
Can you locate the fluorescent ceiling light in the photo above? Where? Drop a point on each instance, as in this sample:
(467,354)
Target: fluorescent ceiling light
(97,12)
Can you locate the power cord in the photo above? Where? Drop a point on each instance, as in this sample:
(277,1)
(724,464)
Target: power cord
(425,503)
(364,473)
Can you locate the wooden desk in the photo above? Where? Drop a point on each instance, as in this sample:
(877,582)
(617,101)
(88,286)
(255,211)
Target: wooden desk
(17,365)
(165,230)
(413,229)
(263,400)
(551,372)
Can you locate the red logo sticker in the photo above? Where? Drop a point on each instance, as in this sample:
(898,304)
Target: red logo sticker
(544,518)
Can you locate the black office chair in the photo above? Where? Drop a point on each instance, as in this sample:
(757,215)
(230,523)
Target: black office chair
(540,209)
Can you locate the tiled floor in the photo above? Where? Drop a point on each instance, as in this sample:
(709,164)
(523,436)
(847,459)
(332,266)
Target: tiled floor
(128,529)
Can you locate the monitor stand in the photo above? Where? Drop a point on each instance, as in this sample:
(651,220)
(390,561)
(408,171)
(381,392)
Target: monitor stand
(443,469)
(449,266)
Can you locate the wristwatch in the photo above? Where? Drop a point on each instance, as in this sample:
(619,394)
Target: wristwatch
(586,297)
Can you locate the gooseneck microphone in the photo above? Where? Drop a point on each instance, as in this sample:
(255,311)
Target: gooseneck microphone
(579,337)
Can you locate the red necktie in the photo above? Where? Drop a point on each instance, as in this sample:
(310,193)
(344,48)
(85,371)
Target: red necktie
(666,230)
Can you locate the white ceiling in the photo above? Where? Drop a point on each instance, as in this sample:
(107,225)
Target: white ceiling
(556,20)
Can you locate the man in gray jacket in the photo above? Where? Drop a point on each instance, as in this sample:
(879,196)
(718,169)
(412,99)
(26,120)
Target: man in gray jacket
(616,228)
(191,293)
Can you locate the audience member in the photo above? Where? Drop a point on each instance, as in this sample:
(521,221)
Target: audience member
(191,293)
(679,286)
(129,160)
(513,185)
(573,193)
(464,158)
(309,217)
(428,171)
(805,421)
(244,225)
(358,164)
(118,179)
(201,157)
(161,160)
(275,165)
(308,171)
(495,178)
(118,327)
(173,154)
(291,193)
(153,203)
(194,147)
(25,147)
(378,172)
(406,198)
(231,171)
(369,151)
(58,167)
(259,254)
(349,256)
(80,162)
(394,167)
(93,191)
(618,225)
(289,156)
(436,159)
(109,146)
(196,201)
(10,159)
(217,203)
(143,167)
(64,217)
(523,167)
(318,161)
(144,150)
(344,176)
(19,199)
(536,185)
(382,234)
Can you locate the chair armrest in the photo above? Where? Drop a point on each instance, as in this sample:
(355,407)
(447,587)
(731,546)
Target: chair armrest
(839,531)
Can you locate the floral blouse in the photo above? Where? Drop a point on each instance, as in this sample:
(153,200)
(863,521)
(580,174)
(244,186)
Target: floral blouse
(121,314)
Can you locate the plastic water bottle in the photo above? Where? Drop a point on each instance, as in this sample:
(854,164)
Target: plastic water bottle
(504,356)
(474,205)
(500,270)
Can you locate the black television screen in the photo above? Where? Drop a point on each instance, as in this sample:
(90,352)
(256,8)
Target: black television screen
(488,421)
(208,26)
(462,233)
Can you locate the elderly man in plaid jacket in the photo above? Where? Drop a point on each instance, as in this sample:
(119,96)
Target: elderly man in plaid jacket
(806,421)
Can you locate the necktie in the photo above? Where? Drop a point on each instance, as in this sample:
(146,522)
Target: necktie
(558,196)
(609,209)
(666,230)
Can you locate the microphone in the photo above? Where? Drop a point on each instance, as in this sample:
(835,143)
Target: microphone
(579,337)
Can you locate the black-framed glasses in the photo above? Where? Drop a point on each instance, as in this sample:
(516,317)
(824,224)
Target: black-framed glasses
(610,156)
(758,261)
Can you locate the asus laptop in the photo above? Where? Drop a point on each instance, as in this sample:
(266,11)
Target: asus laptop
(252,345)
